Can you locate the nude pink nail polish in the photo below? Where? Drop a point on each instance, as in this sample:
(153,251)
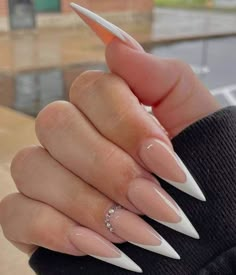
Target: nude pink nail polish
(135,230)
(96,246)
(154,202)
(160,161)
(164,162)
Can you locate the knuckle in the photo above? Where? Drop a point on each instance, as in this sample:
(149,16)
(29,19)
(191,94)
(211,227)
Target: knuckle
(22,159)
(87,77)
(56,115)
(83,83)
(91,82)
(108,81)
(5,209)
(22,162)
(182,67)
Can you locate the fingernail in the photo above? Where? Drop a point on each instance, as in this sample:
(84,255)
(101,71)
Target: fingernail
(133,229)
(162,161)
(154,202)
(105,30)
(96,246)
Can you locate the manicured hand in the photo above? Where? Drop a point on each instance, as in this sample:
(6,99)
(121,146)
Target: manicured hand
(86,186)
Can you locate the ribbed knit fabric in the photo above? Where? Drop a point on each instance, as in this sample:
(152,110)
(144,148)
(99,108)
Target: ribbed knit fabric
(208,148)
(225,264)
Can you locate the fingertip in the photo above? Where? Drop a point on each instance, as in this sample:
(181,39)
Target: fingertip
(115,46)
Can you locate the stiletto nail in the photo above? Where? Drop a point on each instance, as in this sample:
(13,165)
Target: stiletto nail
(96,246)
(162,161)
(154,202)
(135,230)
(105,30)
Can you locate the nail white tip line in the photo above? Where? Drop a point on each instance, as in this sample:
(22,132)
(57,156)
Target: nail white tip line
(190,186)
(184,226)
(123,261)
(163,249)
(99,20)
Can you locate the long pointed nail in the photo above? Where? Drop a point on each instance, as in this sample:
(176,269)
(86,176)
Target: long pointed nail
(96,246)
(105,30)
(162,161)
(154,202)
(124,224)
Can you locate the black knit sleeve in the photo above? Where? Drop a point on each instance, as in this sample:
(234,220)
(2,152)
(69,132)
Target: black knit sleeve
(208,148)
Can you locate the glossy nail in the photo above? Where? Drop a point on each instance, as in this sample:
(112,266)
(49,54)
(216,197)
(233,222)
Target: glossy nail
(96,246)
(162,161)
(154,202)
(105,30)
(135,230)
(175,171)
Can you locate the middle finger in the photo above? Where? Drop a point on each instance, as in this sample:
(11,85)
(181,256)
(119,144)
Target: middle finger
(73,141)
(107,101)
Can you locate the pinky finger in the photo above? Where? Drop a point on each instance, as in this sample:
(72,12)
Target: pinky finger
(28,224)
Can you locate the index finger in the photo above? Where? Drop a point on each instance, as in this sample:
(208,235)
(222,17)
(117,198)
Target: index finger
(177,96)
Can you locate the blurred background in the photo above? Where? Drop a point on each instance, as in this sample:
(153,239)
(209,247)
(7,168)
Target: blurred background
(44,46)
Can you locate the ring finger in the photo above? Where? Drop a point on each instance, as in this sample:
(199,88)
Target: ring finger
(38,176)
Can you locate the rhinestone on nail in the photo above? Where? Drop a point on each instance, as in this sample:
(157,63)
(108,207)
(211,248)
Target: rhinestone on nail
(110,212)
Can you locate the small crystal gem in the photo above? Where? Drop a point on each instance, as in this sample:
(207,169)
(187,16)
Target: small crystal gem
(111,211)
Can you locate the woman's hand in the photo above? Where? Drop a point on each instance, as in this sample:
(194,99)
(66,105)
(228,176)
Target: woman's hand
(98,151)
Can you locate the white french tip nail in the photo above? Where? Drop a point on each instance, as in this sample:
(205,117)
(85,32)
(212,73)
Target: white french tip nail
(189,186)
(123,261)
(99,20)
(184,226)
(164,249)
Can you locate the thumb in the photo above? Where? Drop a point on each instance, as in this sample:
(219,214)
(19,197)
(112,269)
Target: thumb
(177,97)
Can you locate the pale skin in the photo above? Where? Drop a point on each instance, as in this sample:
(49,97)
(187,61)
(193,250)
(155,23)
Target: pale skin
(89,148)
